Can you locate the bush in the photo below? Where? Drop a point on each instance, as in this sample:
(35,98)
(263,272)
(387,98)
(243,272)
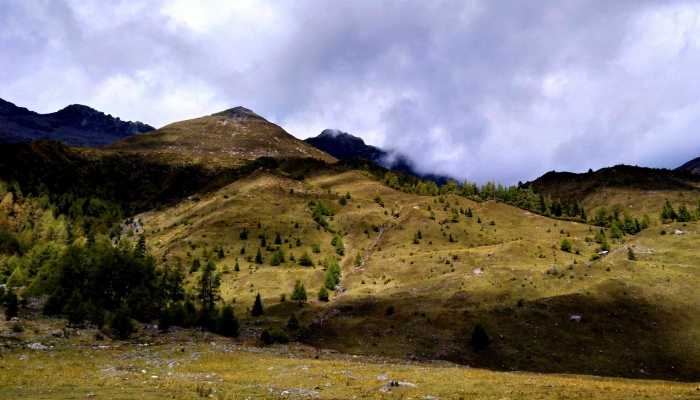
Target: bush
(274,335)
(566,245)
(305,260)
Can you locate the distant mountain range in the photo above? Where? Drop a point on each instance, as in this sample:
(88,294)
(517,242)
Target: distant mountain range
(345,146)
(75,125)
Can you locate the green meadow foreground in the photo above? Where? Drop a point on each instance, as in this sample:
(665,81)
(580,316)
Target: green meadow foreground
(190,365)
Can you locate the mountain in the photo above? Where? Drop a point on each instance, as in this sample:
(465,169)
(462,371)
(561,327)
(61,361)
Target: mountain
(75,125)
(692,166)
(229,138)
(638,190)
(345,146)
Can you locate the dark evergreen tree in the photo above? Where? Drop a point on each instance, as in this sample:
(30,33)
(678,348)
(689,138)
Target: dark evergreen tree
(121,326)
(227,324)
(208,290)
(480,339)
(323,294)
(293,323)
(11,305)
(278,239)
(257,307)
(258,257)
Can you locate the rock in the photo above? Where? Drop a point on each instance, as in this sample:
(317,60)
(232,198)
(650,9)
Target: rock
(478,271)
(37,346)
(575,317)
(57,333)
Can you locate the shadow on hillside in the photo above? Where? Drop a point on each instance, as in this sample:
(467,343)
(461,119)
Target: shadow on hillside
(619,334)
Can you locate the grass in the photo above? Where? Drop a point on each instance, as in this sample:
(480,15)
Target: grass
(210,367)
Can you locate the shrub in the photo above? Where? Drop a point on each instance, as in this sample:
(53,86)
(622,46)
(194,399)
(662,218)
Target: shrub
(305,260)
(630,254)
(274,335)
(566,245)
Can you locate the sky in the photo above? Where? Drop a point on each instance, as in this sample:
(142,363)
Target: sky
(480,90)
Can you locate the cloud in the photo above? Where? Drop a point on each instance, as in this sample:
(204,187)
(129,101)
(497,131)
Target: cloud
(481,90)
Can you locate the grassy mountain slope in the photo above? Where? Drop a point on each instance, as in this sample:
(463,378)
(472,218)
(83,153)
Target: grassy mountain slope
(226,139)
(422,300)
(638,190)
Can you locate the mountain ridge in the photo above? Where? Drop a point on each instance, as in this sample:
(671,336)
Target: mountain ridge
(75,125)
(346,146)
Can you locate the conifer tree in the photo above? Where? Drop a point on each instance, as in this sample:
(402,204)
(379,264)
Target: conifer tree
(227,323)
(278,239)
(237,267)
(11,305)
(258,257)
(299,293)
(209,283)
(323,294)
(257,309)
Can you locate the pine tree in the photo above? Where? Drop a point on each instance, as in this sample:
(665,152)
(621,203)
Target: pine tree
(480,339)
(667,212)
(277,258)
(11,305)
(323,294)
(244,234)
(141,250)
(237,267)
(299,293)
(257,307)
(278,239)
(293,323)
(683,214)
(209,283)
(258,257)
(196,264)
(227,323)
(121,325)
(630,254)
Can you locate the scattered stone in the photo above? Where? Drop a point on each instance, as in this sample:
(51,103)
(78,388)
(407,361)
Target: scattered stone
(37,346)
(57,333)
(478,271)
(575,317)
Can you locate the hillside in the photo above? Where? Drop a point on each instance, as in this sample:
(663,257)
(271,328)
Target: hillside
(420,298)
(692,166)
(637,190)
(226,139)
(75,125)
(345,146)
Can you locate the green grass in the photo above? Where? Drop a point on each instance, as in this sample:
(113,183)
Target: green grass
(210,367)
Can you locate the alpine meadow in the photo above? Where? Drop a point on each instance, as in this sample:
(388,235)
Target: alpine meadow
(437,251)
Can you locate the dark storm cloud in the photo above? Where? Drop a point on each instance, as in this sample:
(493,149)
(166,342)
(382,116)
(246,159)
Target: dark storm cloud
(501,90)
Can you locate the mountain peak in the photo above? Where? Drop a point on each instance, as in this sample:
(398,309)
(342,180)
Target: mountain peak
(239,112)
